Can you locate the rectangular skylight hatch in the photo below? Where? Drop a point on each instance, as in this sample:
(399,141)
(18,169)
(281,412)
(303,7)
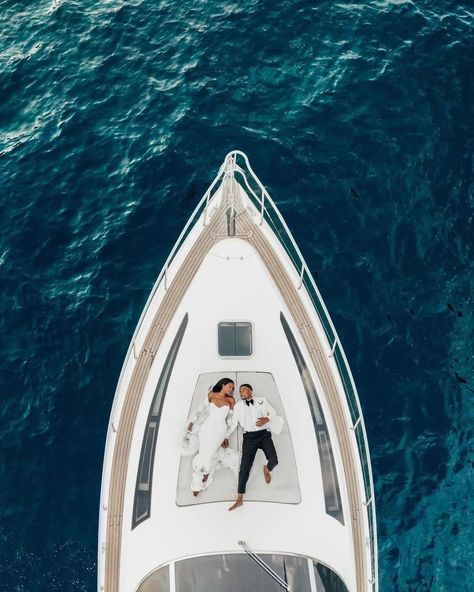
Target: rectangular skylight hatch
(234,339)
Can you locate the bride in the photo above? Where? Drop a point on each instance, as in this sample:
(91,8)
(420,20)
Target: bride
(211,434)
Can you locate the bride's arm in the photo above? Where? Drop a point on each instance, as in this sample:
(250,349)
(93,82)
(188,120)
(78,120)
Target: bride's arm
(198,417)
(271,411)
(232,423)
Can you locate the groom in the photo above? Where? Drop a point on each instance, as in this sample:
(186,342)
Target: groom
(254,415)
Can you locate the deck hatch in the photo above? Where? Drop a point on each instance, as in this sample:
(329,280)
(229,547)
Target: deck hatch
(332,496)
(234,339)
(142,498)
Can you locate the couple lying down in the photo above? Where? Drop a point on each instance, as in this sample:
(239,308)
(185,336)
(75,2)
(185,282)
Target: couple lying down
(209,431)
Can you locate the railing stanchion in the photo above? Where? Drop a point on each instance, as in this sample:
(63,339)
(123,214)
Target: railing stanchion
(204,220)
(333,348)
(263,207)
(354,427)
(301,276)
(166,278)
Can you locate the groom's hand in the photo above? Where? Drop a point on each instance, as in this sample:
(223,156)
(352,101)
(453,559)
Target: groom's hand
(225,444)
(261,421)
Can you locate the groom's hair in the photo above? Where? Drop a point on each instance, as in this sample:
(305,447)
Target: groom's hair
(247,386)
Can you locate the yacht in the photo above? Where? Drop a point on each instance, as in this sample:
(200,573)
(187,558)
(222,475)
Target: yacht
(236,299)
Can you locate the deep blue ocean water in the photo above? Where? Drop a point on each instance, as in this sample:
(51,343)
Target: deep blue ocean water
(114,118)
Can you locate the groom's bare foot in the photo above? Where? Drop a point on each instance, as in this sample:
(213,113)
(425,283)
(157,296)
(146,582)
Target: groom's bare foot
(267,474)
(205,478)
(237,504)
(195,493)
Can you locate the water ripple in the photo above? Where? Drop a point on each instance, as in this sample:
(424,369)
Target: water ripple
(114,118)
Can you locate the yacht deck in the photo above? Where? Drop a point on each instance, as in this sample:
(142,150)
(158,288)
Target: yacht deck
(215,230)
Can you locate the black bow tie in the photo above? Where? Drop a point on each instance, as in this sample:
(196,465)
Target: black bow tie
(250,402)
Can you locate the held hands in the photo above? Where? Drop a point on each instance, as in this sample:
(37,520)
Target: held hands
(188,432)
(225,443)
(261,421)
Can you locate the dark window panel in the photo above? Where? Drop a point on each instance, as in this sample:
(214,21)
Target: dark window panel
(332,496)
(142,500)
(226,338)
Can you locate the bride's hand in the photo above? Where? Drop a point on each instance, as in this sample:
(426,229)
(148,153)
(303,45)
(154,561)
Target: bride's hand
(225,443)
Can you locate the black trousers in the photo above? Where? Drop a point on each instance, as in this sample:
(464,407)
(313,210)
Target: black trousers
(254,441)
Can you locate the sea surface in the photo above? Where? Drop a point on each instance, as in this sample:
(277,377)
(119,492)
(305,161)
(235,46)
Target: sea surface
(114,118)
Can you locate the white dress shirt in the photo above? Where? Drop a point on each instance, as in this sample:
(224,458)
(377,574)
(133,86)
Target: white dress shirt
(251,414)
(247,415)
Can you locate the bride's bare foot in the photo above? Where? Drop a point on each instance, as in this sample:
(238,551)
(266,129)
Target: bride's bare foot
(237,504)
(195,493)
(267,474)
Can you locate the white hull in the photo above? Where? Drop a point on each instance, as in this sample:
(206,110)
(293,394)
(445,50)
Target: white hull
(230,267)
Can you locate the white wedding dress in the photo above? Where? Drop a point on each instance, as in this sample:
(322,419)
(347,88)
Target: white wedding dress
(211,456)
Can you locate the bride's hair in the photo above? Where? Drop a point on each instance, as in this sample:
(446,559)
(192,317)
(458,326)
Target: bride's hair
(219,385)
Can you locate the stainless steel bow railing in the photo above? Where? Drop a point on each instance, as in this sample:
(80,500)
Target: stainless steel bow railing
(236,164)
